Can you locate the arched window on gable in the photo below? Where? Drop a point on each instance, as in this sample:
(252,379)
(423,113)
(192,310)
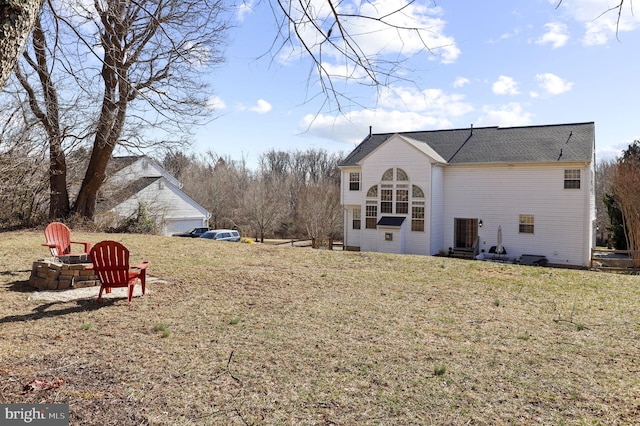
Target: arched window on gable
(388,175)
(401,175)
(373,192)
(417,192)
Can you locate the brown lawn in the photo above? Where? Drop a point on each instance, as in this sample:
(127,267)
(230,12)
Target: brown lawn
(250,334)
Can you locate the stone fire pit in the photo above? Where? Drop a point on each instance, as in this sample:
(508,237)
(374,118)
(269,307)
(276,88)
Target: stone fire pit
(62,273)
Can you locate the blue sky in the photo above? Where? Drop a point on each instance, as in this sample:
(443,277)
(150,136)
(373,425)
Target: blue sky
(497,63)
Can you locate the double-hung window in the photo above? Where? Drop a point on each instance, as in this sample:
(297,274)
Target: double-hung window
(402,200)
(417,216)
(526,224)
(386,199)
(572,179)
(354,181)
(371,215)
(357,213)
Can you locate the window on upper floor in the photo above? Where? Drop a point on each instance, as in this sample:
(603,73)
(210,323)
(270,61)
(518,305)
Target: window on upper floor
(354,181)
(572,179)
(401,175)
(373,192)
(388,175)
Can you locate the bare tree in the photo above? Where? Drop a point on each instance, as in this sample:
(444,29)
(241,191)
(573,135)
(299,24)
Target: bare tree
(149,58)
(153,52)
(331,29)
(23,167)
(626,182)
(47,113)
(604,171)
(263,204)
(320,211)
(217,184)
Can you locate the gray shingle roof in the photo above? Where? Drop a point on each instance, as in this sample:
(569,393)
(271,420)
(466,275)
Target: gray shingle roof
(531,144)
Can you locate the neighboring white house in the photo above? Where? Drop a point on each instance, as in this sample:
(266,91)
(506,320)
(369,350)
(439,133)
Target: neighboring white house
(135,180)
(432,192)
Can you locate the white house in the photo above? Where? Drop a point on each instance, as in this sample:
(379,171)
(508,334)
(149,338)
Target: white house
(135,180)
(431,192)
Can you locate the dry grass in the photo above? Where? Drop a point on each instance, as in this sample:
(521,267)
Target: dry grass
(253,334)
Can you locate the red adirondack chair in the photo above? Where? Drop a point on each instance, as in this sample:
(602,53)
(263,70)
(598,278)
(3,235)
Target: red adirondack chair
(58,239)
(111,263)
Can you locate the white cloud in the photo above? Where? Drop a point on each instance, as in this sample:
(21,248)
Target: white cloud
(354,126)
(244,8)
(512,114)
(506,36)
(375,38)
(382,39)
(400,109)
(215,103)
(434,102)
(552,84)
(343,71)
(599,19)
(557,35)
(505,86)
(610,152)
(379,38)
(460,82)
(261,107)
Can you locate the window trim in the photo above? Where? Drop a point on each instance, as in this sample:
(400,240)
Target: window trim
(417,220)
(354,181)
(371,216)
(386,201)
(356,221)
(571,181)
(526,224)
(402,200)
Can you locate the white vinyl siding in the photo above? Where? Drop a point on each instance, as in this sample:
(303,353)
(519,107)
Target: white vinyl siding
(499,194)
(348,197)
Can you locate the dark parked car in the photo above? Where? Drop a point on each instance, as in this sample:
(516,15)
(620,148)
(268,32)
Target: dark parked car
(192,233)
(222,235)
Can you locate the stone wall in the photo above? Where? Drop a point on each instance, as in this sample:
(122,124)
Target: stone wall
(52,274)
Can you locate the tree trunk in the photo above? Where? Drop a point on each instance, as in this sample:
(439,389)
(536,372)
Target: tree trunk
(17,18)
(50,120)
(59,196)
(112,114)
(111,122)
